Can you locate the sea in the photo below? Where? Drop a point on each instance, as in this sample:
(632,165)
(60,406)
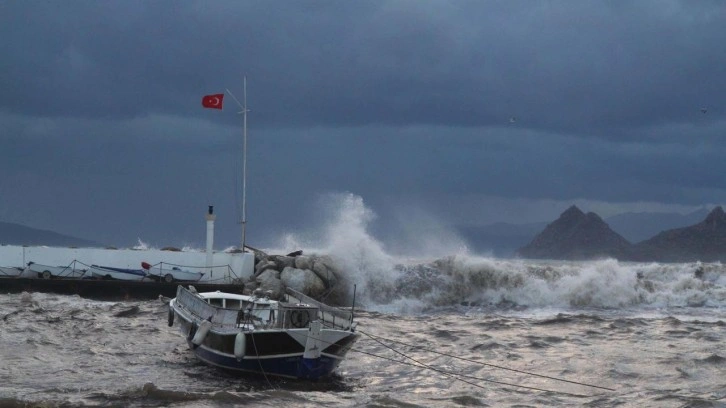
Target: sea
(451,329)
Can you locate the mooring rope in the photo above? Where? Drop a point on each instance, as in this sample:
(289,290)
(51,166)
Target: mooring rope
(376,338)
(456,376)
(450,374)
(254,345)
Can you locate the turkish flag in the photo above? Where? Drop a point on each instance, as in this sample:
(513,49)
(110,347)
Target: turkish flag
(213,101)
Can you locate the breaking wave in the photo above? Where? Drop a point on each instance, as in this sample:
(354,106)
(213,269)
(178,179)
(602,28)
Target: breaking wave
(415,283)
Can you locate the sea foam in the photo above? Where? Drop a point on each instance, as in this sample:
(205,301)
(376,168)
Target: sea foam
(420,281)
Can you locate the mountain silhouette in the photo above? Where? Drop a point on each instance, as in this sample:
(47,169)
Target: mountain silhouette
(16,234)
(705,241)
(576,235)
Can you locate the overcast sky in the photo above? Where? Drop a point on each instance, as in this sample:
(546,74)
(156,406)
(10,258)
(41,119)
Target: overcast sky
(431,112)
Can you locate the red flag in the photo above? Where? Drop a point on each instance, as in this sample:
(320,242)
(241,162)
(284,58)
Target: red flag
(213,101)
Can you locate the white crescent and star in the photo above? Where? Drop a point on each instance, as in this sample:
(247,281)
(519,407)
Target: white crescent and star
(215,101)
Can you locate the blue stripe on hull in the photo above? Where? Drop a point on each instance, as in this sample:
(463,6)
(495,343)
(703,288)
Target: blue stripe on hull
(292,366)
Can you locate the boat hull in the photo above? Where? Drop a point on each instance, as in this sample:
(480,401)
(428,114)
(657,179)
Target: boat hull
(174,275)
(54,272)
(10,271)
(294,366)
(274,353)
(106,272)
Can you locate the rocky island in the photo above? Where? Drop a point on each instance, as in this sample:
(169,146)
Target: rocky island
(579,236)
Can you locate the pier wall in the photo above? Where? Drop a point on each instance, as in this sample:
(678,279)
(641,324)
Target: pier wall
(225,265)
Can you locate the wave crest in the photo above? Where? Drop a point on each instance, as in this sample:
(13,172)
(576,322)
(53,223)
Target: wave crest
(395,283)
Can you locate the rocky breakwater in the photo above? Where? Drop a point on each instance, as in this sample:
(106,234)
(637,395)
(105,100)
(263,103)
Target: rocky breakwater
(314,275)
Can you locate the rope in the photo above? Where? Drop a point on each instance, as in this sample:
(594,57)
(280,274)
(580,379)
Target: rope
(259,360)
(487,364)
(455,376)
(248,321)
(450,374)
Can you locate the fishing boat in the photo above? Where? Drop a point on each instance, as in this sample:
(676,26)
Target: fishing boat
(296,337)
(170,274)
(109,272)
(53,272)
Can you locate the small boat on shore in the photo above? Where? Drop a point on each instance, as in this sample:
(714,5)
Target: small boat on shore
(55,272)
(108,272)
(170,274)
(297,337)
(10,271)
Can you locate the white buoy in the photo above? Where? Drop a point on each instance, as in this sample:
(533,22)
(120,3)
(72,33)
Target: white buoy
(201,332)
(240,345)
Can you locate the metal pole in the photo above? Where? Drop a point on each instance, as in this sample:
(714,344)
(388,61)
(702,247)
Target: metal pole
(244,169)
(244,159)
(352,309)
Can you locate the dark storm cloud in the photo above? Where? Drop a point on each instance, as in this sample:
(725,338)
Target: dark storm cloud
(583,67)
(399,102)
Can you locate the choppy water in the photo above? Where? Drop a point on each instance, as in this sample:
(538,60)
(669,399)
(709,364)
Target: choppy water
(653,333)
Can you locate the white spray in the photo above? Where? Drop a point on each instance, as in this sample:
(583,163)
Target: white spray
(401,284)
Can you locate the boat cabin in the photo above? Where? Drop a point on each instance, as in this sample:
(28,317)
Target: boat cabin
(229,311)
(254,312)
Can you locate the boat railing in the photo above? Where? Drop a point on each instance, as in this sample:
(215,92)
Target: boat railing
(330,316)
(231,318)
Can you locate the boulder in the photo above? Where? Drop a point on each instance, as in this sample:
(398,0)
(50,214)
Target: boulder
(303,262)
(263,266)
(270,281)
(282,261)
(324,268)
(269,273)
(303,280)
(250,287)
(260,256)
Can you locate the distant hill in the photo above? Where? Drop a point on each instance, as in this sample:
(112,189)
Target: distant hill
(576,235)
(16,234)
(639,226)
(705,241)
(504,239)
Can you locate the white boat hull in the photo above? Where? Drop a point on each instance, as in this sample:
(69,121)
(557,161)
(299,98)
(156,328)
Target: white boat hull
(51,272)
(100,272)
(174,275)
(6,271)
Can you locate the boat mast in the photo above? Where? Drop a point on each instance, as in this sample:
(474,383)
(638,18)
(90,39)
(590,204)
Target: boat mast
(244,166)
(244,111)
